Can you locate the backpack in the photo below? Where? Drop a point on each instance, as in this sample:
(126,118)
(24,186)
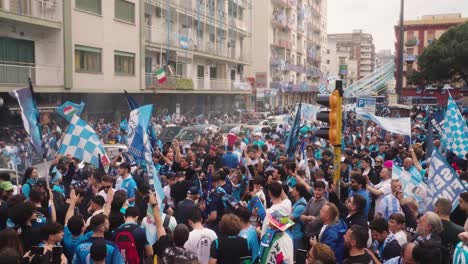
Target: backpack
(126,243)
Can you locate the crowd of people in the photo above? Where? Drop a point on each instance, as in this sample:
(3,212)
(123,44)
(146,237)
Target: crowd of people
(237,201)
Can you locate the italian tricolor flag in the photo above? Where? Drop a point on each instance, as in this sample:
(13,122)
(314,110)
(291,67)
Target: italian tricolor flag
(161,75)
(69,110)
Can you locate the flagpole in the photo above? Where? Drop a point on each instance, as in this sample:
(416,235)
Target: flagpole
(47,174)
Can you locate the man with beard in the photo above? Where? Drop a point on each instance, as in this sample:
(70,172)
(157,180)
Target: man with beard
(355,241)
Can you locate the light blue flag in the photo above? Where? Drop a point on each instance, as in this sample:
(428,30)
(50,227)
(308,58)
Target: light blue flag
(455,136)
(68,109)
(443,182)
(81,142)
(137,130)
(394,125)
(30,116)
(413,185)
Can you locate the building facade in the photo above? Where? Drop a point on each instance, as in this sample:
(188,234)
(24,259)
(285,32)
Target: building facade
(288,45)
(350,56)
(93,50)
(418,35)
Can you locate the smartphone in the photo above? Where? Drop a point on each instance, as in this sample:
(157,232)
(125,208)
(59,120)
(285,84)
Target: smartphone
(251,185)
(37,251)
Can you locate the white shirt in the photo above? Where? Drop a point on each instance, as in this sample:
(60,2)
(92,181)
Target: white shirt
(95,213)
(262,197)
(118,183)
(150,228)
(199,242)
(386,188)
(401,237)
(167,193)
(321,232)
(285,207)
(283,245)
(104,194)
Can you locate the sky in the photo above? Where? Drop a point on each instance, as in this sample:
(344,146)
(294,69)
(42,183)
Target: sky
(378,17)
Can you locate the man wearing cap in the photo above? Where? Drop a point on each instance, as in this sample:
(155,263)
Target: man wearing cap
(185,207)
(6,190)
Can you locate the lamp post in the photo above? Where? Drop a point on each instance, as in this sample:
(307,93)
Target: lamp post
(399,79)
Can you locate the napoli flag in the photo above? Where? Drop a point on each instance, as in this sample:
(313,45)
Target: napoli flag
(442,182)
(137,130)
(30,116)
(68,109)
(455,136)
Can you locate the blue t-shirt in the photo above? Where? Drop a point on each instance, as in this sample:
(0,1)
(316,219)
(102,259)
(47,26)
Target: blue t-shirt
(297,210)
(364,193)
(26,189)
(83,252)
(237,191)
(129,185)
(291,181)
(70,242)
(251,236)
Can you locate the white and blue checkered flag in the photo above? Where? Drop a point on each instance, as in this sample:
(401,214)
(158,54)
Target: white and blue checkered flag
(455,136)
(83,143)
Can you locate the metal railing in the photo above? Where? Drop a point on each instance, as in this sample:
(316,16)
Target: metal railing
(12,74)
(196,84)
(43,9)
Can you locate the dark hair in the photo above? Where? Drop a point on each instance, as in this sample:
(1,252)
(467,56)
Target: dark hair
(243,213)
(275,189)
(9,255)
(230,225)
(107,178)
(50,229)
(229,148)
(125,165)
(195,215)
(319,185)
(132,212)
(301,189)
(360,180)
(427,252)
(79,191)
(98,250)
(5,176)
(290,166)
(27,174)
(320,173)
(120,197)
(99,200)
(360,235)
(258,180)
(180,235)
(35,195)
(379,225)
(21,213)
(398,217)
(464,196)
(75,224)
(97,221)
(359,202)
(9,239)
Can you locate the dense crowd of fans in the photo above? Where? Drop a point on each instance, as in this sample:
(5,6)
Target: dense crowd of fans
(234,201)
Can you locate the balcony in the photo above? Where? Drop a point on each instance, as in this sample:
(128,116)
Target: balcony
(412,42)
(17,75)
(410,58)
(281,3)
(289,87)
(46,13)
(197,85)
(279,19)
(236,23)
(283,44)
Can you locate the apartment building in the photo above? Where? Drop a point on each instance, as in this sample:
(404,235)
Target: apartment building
(350,56)
(93,50)
(418,35)
(288,40)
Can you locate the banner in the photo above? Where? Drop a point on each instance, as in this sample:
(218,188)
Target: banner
(393,125)
(137,130)
(68,109)
(443,182)
(455,136)
(309,112)
(256,204)
(413,185)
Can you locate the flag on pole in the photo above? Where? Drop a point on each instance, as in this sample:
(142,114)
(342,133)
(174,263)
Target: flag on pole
(137,130)
(429,140)
(68,109)
(30,116)
(455,136)
(184,43)
(81,142)
(443,182)
(293,135)
(394,125)
(161,76)
(132,103)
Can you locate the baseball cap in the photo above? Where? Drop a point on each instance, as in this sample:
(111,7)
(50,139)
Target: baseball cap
(6,186)
(388,164)
(193,190)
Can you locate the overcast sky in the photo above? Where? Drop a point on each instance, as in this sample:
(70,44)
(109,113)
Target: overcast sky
(378,17)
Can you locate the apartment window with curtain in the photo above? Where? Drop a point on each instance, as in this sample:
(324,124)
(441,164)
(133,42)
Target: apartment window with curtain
(125,11)
(124,63)
(87,59)
(93,6)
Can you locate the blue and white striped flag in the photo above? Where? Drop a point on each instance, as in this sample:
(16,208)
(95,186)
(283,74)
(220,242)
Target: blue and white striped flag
(455,136)
(81,142)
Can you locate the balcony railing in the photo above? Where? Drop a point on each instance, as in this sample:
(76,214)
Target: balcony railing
(193,44)
(290,87)
(44,9)
(16,75)
(410,58)
(412,42)
(196,84)
(283,43)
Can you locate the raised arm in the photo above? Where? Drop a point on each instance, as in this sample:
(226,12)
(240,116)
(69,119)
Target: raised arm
(71,207)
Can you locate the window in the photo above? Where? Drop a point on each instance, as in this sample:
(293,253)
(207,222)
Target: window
(93,6)
(328,61)
(328,51)
(125,11)
(410,51)
(233,75)
(200,71)
(213,74)
(124,63)
(342,60)
(17,51)
(148,64)
(87,59)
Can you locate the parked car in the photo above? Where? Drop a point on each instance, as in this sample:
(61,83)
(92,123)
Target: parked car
(190,134)
(112,150)
(169,133)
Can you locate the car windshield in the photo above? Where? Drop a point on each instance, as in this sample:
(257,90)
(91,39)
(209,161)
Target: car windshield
(188,134)
(170,131)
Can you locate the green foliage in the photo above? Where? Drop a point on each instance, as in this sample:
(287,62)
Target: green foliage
(446,58)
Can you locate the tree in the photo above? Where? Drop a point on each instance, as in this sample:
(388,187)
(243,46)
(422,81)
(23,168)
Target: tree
(446,59)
